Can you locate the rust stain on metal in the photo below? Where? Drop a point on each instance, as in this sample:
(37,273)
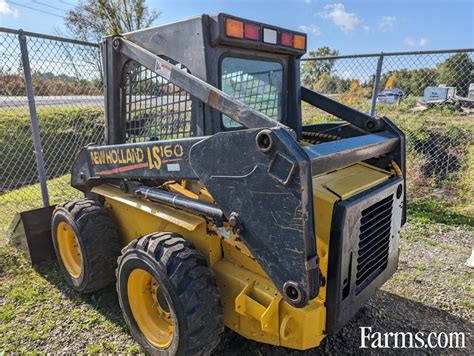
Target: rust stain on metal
(164,68)
(213,98)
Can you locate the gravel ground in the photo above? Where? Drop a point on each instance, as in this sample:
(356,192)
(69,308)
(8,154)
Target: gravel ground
(431,292)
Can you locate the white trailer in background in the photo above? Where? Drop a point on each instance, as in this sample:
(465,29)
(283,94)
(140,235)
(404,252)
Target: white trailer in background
(470,94)
(447,95)
(466,104)
(437,95)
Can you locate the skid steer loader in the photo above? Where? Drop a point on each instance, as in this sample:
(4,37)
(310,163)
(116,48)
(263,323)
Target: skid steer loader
(213,205)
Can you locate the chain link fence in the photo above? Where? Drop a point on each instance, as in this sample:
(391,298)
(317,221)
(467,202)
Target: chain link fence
(429,95)
(51,105)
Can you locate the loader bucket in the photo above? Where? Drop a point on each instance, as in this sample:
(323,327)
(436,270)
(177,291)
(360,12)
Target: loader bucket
(32,234)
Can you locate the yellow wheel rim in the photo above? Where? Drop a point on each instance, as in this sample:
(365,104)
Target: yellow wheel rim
(69,249)
(149,308)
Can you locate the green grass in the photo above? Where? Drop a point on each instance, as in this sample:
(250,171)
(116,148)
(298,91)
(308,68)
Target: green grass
(467,304)
(420,266)
(427,217)
(29,197)
(37,308)
(430,211)
(63,130)
(48,116)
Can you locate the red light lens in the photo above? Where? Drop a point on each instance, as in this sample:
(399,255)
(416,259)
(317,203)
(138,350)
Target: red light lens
(286,39)
(252,32)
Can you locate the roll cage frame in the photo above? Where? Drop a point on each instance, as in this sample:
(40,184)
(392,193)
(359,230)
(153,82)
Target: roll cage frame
(260,165)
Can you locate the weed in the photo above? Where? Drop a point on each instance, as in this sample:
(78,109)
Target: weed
(467,304)
(420,266)
(103,347)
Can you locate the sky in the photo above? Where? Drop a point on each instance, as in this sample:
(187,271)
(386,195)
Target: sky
(351,26)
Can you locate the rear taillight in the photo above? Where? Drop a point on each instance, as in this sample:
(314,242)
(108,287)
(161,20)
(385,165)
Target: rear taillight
(252,31)
(234,28)
(286,39)
(299,42)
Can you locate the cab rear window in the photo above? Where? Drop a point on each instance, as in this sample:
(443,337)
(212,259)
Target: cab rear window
(257,83)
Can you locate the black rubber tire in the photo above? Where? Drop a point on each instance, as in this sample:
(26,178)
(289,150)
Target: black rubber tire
(98,240)
(188,285)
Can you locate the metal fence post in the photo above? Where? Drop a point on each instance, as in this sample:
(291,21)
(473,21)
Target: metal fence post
(375,92)
(33,118)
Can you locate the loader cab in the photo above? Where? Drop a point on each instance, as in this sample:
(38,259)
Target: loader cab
(256,63)
(280,237)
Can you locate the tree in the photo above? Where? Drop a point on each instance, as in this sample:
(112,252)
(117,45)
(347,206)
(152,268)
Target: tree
(411,81)
(391,81)
(422,78)
(325,83)
(93,19)
(312,70)
(457,71)
(354,92)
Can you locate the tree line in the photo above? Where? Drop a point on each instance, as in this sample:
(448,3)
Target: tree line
(456,71)
(46,84)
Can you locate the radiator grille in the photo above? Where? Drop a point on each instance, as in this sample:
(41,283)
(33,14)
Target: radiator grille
(374,240)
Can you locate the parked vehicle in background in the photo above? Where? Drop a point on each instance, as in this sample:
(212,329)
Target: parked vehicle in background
(390,96)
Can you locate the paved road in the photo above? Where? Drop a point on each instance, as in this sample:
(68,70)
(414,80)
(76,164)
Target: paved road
(13,102)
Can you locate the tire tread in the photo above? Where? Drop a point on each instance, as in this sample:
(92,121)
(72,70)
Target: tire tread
(100,241)
(194,283)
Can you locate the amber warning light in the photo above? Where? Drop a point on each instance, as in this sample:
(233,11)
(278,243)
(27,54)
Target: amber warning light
(256,32)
